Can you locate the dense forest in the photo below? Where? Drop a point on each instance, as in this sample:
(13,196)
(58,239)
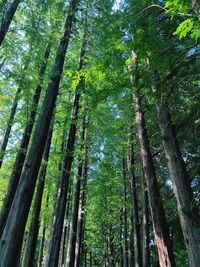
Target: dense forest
(99,133)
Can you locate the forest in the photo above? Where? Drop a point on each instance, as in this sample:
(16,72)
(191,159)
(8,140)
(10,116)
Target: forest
(99,130)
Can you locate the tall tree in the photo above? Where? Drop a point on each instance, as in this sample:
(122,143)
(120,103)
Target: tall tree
(56,232)
(13,233)
(20,157)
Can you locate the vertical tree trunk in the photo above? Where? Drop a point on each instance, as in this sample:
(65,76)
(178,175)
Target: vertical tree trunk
(146,240)
(134,205)
(56,233)
(125,213)
(188,215)
(34,227)
(20,158)
(14,229)
(160,226)
(5,23)
(80,230)
(40,258)
(121,264)
(75,207)
(131,239)
(9,126)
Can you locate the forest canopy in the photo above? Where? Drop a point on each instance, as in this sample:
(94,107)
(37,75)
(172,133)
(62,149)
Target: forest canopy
(99,133)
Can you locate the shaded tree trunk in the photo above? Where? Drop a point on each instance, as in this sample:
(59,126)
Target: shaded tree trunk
(187,210)
(75,207)
(125,236)
(5,23)
(20,158)
(160,226)
(121,259)
(134,205)
(56,233)
(40,258)
(81,225)
(34,227)
(146,239)
(13,232)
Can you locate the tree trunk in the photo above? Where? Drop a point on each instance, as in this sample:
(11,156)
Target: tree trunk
(20,158)
(121,259)
(160,226)
(134,205)
(9,126)
(5,23)
(80,230)
(14,229)
(146,240)
(125,213)
(56,233)
(34,227)
(40,258)
(75,207)
(188,215)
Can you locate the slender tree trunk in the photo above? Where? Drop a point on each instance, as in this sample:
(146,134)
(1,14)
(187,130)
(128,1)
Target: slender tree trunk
(188,215)
(134,205)
(80,233)
(110,253)
(125,213)
(13,232)
(20,158)
(121,240)
(160,226)
(146,239)
(34,227)
(5,23)
(9,126)
(56,233)
(40,258)
(131,239)
(75,207)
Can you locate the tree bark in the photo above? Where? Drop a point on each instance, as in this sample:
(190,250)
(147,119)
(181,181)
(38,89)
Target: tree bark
(20,158)
(56,233)
(161,231)
(5,23)
(40,258)
(34,227)
(14,229)
(134,205)
(80,230)
(189,218)
(75,207)
(125,213)
(146,240)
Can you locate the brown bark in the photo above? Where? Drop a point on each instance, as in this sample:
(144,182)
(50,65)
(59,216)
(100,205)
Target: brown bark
(146,239)
(160,227)
(189,218)
(13,232)
(134,205)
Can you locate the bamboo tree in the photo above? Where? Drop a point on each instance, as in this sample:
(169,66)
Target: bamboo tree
(5,23)
(13,233)
(56,232)
(20,157)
